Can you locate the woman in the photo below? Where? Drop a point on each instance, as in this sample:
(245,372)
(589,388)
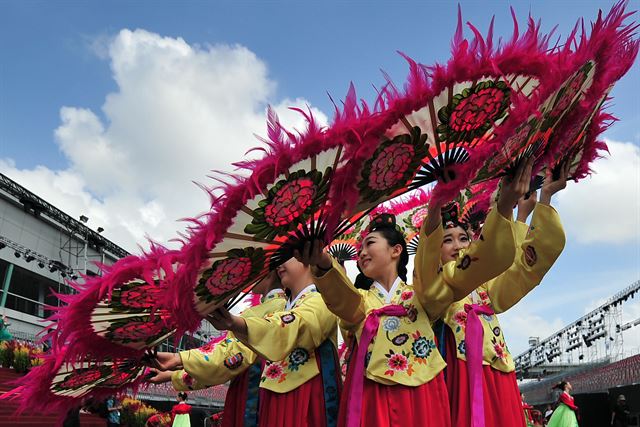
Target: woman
(5,335)
(395,377)
(565,413)
(480,371)
(300,382)
(226,360)
(180,412)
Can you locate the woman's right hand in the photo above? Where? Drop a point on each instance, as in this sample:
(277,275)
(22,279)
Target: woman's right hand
(159,377)
(163,361)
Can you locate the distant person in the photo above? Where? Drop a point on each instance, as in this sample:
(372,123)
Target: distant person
(620,413)
(113,411)
(565,413)
(5,335)
(180,412)
(547,413)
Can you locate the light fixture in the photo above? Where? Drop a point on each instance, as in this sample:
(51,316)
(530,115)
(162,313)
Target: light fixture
(84,219)
(29,258)
(100,229)
(17,254)
(2,245)
(41,264)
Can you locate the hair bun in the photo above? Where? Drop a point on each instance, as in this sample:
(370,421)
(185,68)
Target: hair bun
(383,220)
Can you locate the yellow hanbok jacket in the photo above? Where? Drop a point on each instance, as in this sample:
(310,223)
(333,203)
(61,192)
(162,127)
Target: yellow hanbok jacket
(216,364)
(404,351)
(538,247)
(288,340)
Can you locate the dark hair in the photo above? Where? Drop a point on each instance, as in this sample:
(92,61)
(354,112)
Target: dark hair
(560,386)
(182,395)
(393,236)
(363,282)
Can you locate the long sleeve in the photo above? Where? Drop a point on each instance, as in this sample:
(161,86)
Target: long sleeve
(306,326)
(341,297)
(182,381)
(537,251)
(564,398)
(225,361)
(437,287)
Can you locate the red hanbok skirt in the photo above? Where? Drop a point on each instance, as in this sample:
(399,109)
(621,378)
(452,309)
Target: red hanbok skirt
(398,405)
(302,407)
(502,402)
(234,403)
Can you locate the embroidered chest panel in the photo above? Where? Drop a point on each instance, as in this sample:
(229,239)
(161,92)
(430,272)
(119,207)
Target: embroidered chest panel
(299,366)
(495,350)
(404,349)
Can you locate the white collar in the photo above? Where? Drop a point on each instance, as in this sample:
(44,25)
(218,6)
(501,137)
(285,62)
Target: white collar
(291,303)
(388,296)
(475,297)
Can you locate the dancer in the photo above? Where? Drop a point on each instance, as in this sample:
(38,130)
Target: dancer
(300,382)
(180,412)
(480,371)
(565,413)
(226,360)
(395,376)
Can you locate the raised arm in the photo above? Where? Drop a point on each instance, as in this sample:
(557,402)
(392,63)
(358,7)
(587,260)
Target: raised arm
(337,290)
(537,250)
(438,286)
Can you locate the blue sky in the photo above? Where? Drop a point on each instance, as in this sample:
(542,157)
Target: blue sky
(61,54)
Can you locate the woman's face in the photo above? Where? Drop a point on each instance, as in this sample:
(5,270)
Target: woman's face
(454,239)
(376,255)
(291,272)
(568,387)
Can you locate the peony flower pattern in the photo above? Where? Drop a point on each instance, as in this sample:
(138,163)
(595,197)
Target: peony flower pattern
(461,319)
(137,329)
(289,203)
(238,269)
(398,362)
(83,377)
(117,379)
(187,380)
(136,296)
(499,349)
(566,96)
(392,165)
(517,143)
(391,324)
(473,111)
(298,357)
(273,371)
(422,347)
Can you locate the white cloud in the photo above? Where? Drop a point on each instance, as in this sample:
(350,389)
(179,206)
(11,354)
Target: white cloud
(605,208)
(179,112)
(519,323)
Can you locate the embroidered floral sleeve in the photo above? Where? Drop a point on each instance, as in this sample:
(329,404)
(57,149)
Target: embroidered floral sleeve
(304,327)
(341,297)
(438,286)
(182,381)
(219,363)
(214,364)
(536,253)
